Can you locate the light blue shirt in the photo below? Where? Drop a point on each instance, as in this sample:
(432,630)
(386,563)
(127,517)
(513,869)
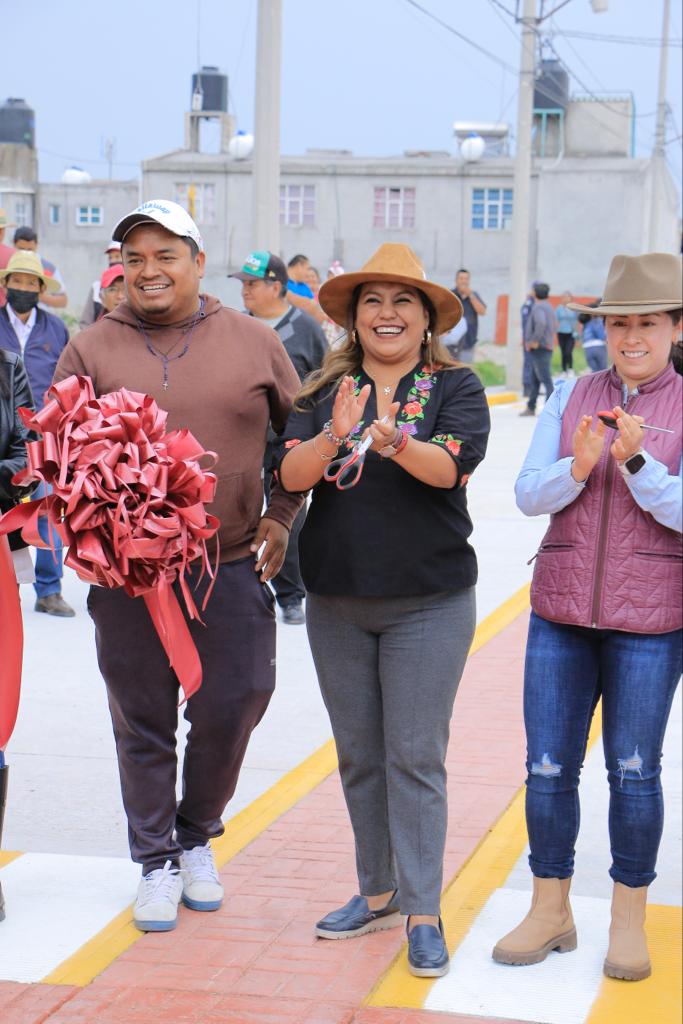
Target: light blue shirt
(545,484)
(567,320)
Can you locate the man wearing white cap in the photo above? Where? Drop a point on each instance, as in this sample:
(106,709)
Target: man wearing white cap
(92,309)
(225,377)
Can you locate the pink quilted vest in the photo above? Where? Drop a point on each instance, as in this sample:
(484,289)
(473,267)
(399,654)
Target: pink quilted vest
(603,561)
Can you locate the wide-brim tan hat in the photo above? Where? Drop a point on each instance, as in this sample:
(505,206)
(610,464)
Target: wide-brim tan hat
(397,264)
(651,283)
(26,262)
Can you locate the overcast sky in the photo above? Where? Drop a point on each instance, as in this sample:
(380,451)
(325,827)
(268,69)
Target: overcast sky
(373,76)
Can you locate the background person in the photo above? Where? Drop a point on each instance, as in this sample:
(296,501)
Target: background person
(567,329)
(26,240)
(390,578)
(40,338)
(112,288)
(224,377)
(92,310)
(539,341)
(606,619)
(473,307)
(594,340)
(264,293)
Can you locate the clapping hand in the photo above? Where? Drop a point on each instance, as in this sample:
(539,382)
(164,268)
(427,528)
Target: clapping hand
(630,436)
(383,432)
(587,446)
(348,406)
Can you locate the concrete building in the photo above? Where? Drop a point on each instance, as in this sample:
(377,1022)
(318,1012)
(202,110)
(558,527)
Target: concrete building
(590,198)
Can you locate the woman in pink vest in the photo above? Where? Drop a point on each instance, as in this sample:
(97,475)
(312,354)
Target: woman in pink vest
(606,610)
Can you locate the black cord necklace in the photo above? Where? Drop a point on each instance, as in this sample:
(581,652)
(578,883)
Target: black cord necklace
(166,357)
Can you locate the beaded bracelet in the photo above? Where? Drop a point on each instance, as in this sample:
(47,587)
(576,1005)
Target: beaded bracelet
(331,436)
(325,458)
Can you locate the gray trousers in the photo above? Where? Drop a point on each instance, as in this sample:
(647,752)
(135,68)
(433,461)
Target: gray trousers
(388,670)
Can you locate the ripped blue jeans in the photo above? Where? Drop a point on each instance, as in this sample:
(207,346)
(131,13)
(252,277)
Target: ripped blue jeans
(568,668)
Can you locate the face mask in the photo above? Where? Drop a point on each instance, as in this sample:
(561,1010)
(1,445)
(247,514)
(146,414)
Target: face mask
(21,301)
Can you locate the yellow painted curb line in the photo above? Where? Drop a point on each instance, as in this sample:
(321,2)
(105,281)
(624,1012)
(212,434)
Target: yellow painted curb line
(502,398)
(97,954)
(486,870)
(7,856)
(657,1000)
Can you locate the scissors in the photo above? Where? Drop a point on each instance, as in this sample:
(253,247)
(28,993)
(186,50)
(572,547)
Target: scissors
(610,420)
(346,472)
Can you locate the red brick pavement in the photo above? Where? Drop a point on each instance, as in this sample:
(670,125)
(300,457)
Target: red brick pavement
(256,960)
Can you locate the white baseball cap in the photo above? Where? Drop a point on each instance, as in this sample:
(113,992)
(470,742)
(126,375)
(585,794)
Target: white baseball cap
(169,215)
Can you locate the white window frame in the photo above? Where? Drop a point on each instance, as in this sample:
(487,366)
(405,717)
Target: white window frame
(22,213)
(394,207)
(88,216)
(297,206)
(204,200)
(492,208)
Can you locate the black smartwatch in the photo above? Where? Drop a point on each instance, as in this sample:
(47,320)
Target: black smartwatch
(635,463)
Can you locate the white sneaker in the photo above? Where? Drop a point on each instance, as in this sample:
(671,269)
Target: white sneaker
(202,889)
(159,892)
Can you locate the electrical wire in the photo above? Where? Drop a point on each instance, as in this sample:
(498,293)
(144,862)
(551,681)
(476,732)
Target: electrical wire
(464,38)
(623,40)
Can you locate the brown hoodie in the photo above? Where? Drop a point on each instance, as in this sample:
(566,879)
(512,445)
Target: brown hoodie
(234,379)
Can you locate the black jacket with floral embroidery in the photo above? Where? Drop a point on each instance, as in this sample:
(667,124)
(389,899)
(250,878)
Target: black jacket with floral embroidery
(392,535)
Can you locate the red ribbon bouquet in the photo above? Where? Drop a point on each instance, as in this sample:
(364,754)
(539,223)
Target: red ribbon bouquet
(128,500)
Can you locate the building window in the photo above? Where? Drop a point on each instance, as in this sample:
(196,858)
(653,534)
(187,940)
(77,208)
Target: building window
(22,213)
(90,216)
(198,200)
(297,206)
(54,212)
(394,208)
(491,209)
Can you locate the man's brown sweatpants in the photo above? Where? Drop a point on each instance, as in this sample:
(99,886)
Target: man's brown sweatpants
(236,645)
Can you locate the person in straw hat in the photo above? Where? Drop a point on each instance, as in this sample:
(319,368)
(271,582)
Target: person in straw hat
(390,577)
(606,618)
(39,337)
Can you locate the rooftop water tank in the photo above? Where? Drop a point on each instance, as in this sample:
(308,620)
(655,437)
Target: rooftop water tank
(212,86)
(551,89)
(17,123)
(75,176)
(241,146)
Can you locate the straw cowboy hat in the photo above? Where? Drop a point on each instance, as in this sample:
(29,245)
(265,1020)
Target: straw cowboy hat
(651,283)
(26,262)
(397,264)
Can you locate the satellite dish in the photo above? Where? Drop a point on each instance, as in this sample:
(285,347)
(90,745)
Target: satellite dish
(472,148)
(75,176)
(241,146)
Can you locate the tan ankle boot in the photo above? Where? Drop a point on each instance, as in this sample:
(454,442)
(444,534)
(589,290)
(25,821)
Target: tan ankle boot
(627,956)
(548,925)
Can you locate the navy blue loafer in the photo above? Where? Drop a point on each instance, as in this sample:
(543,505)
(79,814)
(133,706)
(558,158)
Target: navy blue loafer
(427,951)
(356,918)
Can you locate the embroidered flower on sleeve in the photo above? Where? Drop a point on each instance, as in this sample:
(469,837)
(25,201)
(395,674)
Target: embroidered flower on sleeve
(449,441)
(463,479)
(412,408)
(291,443)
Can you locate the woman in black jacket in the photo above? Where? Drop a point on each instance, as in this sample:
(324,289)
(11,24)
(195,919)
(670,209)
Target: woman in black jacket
(14,392)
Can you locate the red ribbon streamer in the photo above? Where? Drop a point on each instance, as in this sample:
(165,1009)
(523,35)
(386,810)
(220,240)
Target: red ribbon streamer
(11,644)
(127,501)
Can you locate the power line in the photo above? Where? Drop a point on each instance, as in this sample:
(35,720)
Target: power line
(465,39)
(624,40)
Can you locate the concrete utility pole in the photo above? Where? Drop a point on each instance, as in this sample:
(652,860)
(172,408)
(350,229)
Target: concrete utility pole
(265,179)
(519,257)
(658,172)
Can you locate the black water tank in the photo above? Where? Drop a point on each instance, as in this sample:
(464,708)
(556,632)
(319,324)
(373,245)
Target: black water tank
(551,89)
(214,87)
(17,122)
